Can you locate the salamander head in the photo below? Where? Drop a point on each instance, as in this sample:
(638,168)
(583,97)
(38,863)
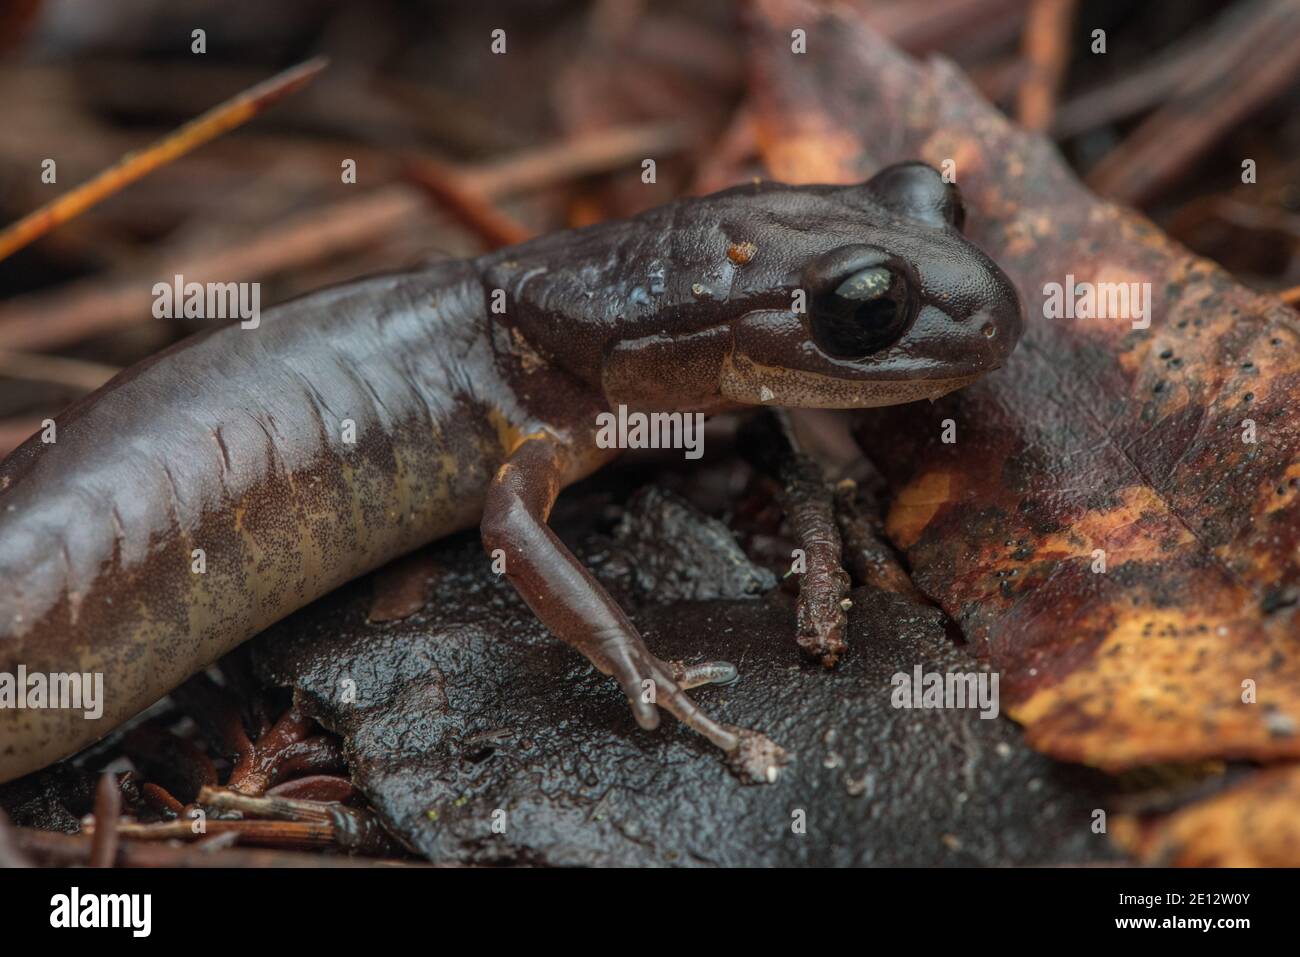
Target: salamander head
(821,296)
(896,305)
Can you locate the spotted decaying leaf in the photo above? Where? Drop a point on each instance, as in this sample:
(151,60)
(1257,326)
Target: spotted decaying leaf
(1098,441)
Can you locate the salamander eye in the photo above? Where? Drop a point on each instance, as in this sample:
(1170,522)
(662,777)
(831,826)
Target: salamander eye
(863,314)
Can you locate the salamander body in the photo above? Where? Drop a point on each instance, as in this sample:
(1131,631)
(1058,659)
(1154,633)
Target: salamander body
(213,489)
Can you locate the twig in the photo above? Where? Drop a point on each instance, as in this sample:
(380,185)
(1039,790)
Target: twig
(291,823)
(569,159)
(51,847)
(295,834)
(467,193)
(1046,48)
(1144,88)
(88,307)
(277,808)
(354,830)
(455,194)
(1247,70)
(133,166)
(108,808)
(217,842)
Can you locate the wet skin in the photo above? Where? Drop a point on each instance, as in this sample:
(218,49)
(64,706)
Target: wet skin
(233,441)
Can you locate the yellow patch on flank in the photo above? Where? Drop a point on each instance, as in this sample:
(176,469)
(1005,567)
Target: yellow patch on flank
(916,505)
(510,435)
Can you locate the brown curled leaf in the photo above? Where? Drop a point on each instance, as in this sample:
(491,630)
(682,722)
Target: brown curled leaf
(1253,824)
(1099,439)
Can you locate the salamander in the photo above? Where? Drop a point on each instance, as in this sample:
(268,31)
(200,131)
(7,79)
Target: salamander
(212,489)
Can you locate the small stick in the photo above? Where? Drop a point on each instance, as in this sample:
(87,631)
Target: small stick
(131,167)
(300,834)
(71,849)
(218,842)
(1250,66)
(354,830)
(455,194)
(86,307)
(1046,47)
(276,808)
(286,823)
(567,159)
(108,808)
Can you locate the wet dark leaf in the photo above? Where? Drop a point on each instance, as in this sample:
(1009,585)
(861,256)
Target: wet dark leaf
(470,708)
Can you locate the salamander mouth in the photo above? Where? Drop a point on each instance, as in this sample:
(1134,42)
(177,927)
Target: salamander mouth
(748,382)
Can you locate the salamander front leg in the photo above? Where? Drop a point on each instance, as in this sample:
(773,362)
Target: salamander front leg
(574,606)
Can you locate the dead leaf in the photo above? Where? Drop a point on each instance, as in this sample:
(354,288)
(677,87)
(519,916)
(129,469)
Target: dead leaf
(1251,825)
(1098,440)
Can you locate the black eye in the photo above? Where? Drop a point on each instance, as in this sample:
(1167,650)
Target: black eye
(863,314)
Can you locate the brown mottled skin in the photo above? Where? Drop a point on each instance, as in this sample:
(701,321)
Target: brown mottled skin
(232,441)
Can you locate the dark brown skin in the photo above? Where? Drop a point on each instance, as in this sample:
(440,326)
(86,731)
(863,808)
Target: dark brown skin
(232,441)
